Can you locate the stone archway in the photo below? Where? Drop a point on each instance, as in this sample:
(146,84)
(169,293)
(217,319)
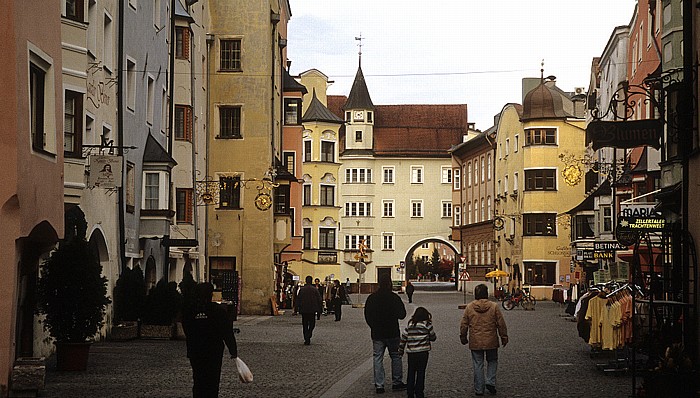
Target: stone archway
(435,239)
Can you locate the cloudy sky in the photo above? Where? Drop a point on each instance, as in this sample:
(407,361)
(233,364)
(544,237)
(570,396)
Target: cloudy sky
(452,51)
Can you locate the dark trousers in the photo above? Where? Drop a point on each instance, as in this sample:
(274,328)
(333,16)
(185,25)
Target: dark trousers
(308,323)
(410,297)
(206,372)
(417,362)
(337,308)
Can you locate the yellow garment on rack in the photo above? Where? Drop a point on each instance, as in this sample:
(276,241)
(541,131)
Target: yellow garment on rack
(595,307)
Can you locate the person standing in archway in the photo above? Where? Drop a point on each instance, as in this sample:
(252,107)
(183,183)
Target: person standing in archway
(409,291)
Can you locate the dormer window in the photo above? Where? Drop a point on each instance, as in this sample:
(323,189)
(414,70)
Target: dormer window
(370,117)
(358,136)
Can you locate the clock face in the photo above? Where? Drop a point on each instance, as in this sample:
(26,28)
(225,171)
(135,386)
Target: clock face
(359,115)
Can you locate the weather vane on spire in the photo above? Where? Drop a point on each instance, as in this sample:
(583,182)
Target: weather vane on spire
(542,70)
(359,45)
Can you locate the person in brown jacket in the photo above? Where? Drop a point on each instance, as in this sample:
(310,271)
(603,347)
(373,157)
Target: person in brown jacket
(481,326)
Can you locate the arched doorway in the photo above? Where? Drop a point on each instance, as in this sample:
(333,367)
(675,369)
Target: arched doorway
(447,263)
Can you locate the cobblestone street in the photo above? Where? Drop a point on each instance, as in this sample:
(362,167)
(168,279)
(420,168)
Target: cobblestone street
(545,358)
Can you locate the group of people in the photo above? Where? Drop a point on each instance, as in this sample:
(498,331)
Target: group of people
(482,327)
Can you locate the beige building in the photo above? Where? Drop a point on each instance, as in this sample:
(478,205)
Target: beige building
(532,194)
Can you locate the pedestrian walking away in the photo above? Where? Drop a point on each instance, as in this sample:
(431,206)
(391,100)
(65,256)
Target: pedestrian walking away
(308,305)
(321,292)
(481,326)
(207,328)
(383,310)
(337,297)
(415,341)
(409,291)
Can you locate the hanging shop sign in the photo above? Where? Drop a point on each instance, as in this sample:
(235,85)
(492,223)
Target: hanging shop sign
(105,171)
(626,237)
(624,134)
(642,224)
(608,245)
(584,255)
(607,255)
(638,209)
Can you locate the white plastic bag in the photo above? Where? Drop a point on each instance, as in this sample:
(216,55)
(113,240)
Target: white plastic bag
(244,373)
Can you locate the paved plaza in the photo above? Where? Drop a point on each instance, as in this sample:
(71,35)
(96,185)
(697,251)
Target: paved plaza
(544,358)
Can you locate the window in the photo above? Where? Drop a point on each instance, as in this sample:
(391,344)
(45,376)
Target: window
(358,209)
(540,180)
(446,209)
(483,167)
(541,136)
(230,192)
(388,208)
(184,206)
(369,116)
(132,3)
(231,55)
(289,162)
(424,245)
(483,209)
(37,87)
(307,151)
(156,14)
(182,43)
(347,116)
(230,122)
(388,175)
(281,199)
(327,195)
(74,10)
(164,111)
(352,242)
(416,174)
(150,99)
(498,188)
(151,191)
(446,174)
(92,28)
(488,165)
(358,135)
(108,43)
(469,177)
(515,182)
(183,123)
(130,84)
(456,182)
(469,212)
(457,216)
(327,151)
(540,272)
(307,195)
(307,238)
(584,226)
(130,188)
(358,175)
(489,214)
(539,224)
(387,241)
(606,225)
(292,111)
(476,211)
(326,238)
(417,208)
(476,171)
(72,124)
(505,185)
(516,144)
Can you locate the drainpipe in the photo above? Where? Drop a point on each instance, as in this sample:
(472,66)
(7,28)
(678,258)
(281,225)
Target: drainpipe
(210,40)
(195,214)
(169,135)
(121,208)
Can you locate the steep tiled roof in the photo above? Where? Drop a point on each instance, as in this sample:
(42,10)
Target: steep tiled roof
(317,112)
(290,84)
(359,95)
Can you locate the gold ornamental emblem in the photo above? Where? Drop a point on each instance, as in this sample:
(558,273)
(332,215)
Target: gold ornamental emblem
(572,175)
(263,201)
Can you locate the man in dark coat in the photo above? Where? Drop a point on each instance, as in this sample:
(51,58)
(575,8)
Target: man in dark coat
(207,327)
(308,305)
(409,291)
(337,297)
(383,309)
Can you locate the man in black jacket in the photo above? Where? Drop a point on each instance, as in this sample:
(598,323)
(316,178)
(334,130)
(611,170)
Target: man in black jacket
(308,304)
(207,327)
(383,309)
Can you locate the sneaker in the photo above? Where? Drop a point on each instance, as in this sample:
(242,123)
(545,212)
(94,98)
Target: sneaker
(380,390)
(492,389)
(399,387)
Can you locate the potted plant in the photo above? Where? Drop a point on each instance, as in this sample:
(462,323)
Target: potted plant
(72,295)
(162,305)
(187,286)
(129,298)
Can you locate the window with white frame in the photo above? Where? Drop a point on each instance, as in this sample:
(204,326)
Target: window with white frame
(516,143)
(358,209)
(108,43)
(41,102)
(307,151)
(488,252)
(416,208)
(446,209)
(498,188)
(150,99)
(457,216)
(507,146)
(469,174)
(155,194)
(387,241)
(515,182)
(456,181)
(483,209)
(92,28)
(352,241)
(326,238)
(469,212)
(505,185)
(388,174)
(327,195)
(483,253)
(476,211)
(328,151)
(488,208)
(130,84)
(306,196)
(483,169)
(358,175)
(488,165)
(387,208)
(476,171)
(446,174)
(416,174)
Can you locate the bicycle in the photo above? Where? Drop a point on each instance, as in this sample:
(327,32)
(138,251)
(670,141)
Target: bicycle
(524,299)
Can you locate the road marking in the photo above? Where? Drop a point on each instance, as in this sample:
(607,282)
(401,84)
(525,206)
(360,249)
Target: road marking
(562,364)
(346,382)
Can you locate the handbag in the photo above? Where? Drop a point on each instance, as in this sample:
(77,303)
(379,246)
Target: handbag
(244,373)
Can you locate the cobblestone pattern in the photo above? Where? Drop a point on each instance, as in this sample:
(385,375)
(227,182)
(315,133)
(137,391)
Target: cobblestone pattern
(545,358)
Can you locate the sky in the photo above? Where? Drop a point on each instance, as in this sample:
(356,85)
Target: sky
(452,51)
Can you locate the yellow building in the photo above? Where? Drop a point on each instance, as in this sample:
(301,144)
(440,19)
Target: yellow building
(320,219)
(247,53)
(532,195)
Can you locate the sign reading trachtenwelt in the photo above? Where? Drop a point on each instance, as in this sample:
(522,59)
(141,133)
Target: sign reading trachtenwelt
(624,134)
(643,224)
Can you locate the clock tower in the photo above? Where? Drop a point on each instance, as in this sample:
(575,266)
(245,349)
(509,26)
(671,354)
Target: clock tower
(359,116)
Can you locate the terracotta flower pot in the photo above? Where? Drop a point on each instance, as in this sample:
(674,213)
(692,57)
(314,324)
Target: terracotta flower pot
(72,356)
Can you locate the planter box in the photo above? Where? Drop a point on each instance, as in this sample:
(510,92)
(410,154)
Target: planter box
(72,356)
(156,332)
(124,331)
(28,376)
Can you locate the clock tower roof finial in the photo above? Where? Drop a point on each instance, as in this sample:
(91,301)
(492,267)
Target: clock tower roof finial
(359,97)
(359,46)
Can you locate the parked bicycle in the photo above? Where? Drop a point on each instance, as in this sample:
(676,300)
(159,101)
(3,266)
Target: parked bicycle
(523,299)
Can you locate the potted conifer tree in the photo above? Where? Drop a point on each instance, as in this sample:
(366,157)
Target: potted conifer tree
(72,295)
(162,305)
(129,298)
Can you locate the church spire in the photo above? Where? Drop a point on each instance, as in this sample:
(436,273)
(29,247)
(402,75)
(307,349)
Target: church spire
(359,46)
(359,94)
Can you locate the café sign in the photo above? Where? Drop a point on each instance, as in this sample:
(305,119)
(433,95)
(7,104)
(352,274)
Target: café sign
(624,134)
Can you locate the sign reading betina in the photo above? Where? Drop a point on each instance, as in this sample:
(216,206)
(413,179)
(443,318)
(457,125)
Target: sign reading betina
(627,134)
